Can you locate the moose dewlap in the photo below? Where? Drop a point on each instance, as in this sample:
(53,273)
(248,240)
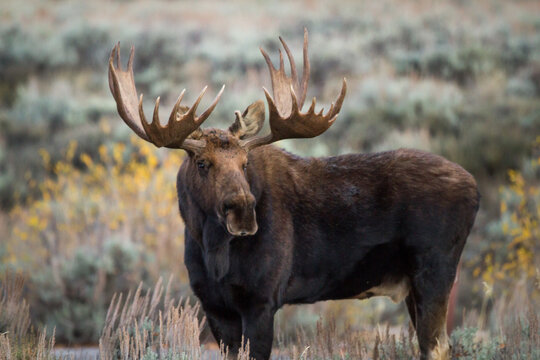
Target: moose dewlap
(264,228)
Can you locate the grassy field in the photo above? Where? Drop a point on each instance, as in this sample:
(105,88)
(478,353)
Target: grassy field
(155,325)
(86,211)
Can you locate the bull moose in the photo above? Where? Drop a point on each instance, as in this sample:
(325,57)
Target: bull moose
(264,227)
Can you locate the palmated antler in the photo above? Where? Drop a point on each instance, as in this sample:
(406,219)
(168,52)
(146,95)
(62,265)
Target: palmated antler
(286,119)
(182,121)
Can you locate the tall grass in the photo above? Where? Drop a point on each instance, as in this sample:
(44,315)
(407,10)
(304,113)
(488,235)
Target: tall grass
(152,325)
(17,339)
(14,310)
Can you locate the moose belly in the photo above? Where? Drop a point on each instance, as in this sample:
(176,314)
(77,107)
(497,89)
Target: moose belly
(394,288)
(397,291)
(377,271)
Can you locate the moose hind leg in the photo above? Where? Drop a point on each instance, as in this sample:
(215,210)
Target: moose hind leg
(431,330)
(428,308)
(411,308)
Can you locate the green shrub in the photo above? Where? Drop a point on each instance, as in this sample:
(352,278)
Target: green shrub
(74,298)
(90,44)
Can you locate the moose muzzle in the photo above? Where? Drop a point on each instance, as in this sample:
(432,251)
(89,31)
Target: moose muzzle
(239,215)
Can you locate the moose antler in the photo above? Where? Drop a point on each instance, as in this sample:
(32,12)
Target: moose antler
(181,123)
(286,119)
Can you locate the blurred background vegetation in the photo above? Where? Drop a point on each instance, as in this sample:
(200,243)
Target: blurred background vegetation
(87,210)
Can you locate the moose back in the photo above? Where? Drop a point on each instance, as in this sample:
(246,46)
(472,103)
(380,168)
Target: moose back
(264,227)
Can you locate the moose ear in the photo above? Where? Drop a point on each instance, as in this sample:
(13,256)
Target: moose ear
(250,122)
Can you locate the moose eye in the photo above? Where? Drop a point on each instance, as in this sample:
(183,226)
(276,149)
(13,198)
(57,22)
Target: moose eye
(201,164)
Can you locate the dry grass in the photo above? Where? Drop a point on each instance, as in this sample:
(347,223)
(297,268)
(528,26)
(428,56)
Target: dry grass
(14,310)
(151,325)
(155,325)
(518,338)
(523,343)
(17,339)
(31,346)
(327,342)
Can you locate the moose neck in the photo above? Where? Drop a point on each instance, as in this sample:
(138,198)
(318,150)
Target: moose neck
(215,243)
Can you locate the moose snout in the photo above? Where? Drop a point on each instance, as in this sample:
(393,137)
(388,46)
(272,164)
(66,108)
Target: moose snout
(238,213)
(237,202)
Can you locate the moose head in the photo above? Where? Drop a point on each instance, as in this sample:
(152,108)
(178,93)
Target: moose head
(218,159)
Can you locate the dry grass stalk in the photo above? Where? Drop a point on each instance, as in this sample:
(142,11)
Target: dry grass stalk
(520,332)
(147,325)
(243,353)
(17,339)
(14,310)
(329,342)
(5,347)
(32,346)
(151,324)
(223,351)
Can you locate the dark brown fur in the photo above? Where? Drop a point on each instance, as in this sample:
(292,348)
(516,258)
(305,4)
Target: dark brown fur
(318,229)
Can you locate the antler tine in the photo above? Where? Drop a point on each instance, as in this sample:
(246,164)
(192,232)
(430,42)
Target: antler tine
(267,59)
(130,60)
(193,108)
(127,111)
(208,111)
(118,60)
(180,125)
(176,106)
(294,75)
(305,74)
(336,107)
(294,100)
(155,116)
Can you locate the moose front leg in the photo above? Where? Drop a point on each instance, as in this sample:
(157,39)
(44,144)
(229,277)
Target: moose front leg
(258,329)
(226,327)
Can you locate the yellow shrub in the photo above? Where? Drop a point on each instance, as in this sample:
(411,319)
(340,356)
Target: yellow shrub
(127,195)
(520,209)
(515,248)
